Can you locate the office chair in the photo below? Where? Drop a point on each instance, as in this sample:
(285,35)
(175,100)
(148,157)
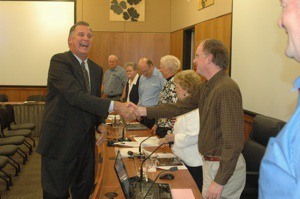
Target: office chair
(7,133)
(6,177)
(263,128)
(9,151)
(3,98)
(37,98)
(12,122)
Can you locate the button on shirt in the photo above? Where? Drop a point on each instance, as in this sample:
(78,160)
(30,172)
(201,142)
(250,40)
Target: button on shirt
(149,88)
(280,167)
(114,81)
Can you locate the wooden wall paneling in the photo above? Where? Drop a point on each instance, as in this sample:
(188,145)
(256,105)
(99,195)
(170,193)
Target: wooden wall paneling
(138,45)
(176,44)
(20,94)
(161,42)
(129,47)
(217,28)
(105,44)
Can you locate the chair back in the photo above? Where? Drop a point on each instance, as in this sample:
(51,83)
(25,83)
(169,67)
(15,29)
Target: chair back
(3,98)
(265,127)
(4,120)
(39,98)
(11,113)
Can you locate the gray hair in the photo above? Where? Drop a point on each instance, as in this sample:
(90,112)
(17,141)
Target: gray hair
(79,23)
(172,62)
(132,64)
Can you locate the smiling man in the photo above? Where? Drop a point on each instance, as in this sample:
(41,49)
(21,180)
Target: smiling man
(73,111)
(279,170)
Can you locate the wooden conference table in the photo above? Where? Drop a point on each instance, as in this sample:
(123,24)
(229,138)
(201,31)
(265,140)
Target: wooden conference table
(106,179)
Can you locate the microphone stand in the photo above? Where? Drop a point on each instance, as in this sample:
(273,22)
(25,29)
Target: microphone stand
(140,155)
(123,138)
(171,169)
(141,169)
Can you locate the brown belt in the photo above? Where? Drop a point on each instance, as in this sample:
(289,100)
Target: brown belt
(212,158)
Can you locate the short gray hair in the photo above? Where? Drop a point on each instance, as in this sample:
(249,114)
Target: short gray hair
(132,64)
(79,23)
(172,62)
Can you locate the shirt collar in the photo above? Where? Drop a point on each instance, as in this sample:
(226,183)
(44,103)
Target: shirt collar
(215,78)
(296,84)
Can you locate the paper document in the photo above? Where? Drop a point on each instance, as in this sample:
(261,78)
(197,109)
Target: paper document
(128,144)
(182,193)
(152,141)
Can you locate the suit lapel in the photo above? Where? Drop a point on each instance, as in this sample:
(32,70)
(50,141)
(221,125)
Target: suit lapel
(77,70)
(93,78)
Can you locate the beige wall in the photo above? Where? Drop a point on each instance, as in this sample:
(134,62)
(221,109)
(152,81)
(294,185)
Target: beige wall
(96,12)
(185,13)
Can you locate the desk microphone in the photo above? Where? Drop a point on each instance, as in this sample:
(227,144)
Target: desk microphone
(123,138)
(141,169)
(140,155)
(171,169)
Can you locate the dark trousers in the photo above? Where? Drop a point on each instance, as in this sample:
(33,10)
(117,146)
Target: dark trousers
(148,122)
(76,176)
(197,174)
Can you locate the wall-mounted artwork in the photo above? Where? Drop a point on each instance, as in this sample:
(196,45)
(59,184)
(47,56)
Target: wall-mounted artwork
(204,3)
(127,10)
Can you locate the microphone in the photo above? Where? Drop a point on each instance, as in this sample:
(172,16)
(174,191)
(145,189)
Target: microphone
(171,169)
(140,155)
(141,169)
(123,138)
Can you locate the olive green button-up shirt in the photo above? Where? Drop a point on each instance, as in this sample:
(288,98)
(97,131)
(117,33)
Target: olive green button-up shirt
(221,120)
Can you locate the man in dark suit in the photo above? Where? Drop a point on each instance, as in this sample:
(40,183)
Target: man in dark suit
(73,111)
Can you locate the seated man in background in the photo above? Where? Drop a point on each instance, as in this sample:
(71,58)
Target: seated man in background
(151,83)
(131,89)
(114,79)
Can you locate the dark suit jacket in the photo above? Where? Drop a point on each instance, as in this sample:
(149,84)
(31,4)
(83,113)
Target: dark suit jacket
(70,113)
(134,93)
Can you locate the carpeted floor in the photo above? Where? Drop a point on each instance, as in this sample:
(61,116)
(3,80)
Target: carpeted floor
(28,184)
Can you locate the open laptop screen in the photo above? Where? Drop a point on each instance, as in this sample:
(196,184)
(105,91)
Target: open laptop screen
(122,175)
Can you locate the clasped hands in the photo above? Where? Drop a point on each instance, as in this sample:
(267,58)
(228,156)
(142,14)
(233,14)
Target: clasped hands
(129,111)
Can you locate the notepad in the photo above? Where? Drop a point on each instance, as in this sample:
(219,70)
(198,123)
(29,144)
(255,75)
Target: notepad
(182,193)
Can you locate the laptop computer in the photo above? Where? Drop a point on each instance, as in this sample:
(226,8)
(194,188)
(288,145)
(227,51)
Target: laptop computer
(134,189)
(133,126)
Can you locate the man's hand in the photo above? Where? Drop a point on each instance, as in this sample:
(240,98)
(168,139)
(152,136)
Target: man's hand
(214,191)
(154,128)
(126,110)
(102,137)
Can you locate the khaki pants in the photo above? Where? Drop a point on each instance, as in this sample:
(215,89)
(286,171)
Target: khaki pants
(235,185)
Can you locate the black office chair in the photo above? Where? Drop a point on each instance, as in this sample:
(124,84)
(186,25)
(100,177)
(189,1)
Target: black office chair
(37,98)
(4,116)
(263,128)
(12,122)
(9,151)
(3,98)
(6,177)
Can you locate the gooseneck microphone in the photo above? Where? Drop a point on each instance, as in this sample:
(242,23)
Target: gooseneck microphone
(123,138)
(140,155)
(171,169)
(141,169)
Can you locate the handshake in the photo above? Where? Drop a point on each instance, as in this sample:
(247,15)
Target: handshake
(129,110)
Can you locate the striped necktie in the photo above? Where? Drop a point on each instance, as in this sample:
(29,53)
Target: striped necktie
(86,77)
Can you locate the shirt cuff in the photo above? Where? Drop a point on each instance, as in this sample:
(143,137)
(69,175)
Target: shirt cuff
(111,106)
